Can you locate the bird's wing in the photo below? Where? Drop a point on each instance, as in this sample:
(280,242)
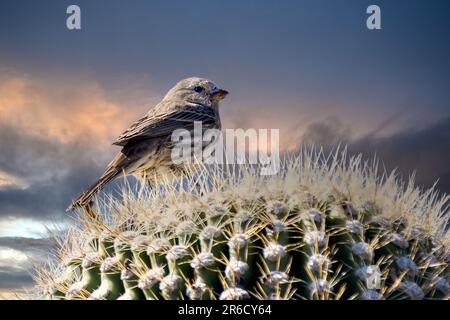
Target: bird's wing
(160,123)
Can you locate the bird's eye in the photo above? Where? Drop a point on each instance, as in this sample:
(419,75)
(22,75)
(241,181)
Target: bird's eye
(198,89)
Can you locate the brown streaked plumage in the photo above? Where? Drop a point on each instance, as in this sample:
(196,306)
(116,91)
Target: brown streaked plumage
(146,144)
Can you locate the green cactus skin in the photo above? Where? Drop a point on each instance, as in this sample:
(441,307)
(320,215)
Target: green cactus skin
(130,282)
(112,286)
(90,277)
(318,230)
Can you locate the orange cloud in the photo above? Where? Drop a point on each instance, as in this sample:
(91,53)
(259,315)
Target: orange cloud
(63,113)
(8,181)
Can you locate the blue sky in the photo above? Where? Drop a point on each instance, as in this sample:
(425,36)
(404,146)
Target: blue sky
(310,68)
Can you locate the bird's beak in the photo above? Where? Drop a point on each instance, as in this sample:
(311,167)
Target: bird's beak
(219,94)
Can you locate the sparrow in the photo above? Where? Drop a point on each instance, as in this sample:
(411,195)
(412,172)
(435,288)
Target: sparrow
(146,144)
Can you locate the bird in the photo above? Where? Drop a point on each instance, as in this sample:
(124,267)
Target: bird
(146,144)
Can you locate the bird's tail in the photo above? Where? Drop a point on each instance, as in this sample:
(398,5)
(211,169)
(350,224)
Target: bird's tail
(85,198)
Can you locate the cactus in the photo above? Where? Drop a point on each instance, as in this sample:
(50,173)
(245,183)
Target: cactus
(324,227)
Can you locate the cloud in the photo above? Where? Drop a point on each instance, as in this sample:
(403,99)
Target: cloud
(13,280)
(56,139)
(63,113)
(26,244)
(9,182)
(16,257)
(328,132)
(13,259)
(54,172)
(425,151)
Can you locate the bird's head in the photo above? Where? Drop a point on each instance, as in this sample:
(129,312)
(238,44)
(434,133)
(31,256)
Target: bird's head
(197,90)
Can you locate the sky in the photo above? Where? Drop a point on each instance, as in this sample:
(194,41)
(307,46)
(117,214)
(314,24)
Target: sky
(310,68)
